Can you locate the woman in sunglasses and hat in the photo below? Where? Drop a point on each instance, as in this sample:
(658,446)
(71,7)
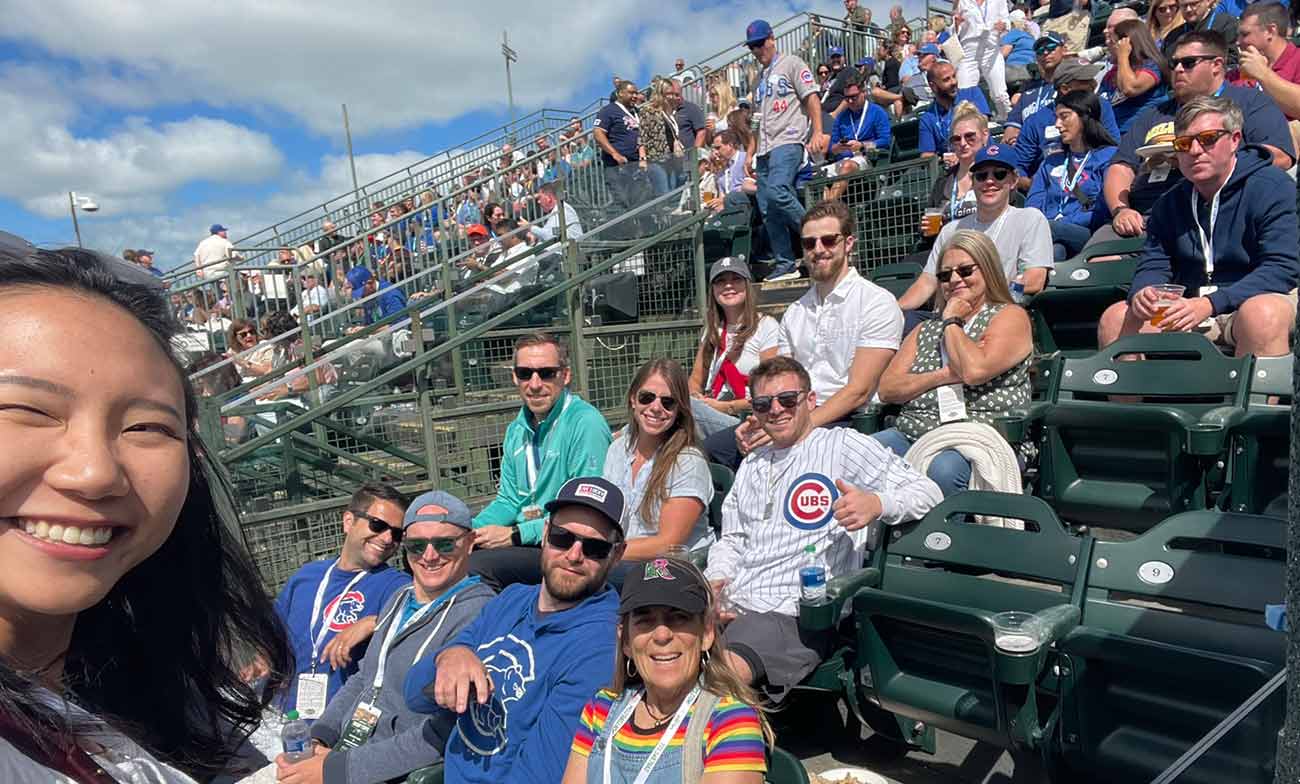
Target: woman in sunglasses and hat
(675,712)
(659,468)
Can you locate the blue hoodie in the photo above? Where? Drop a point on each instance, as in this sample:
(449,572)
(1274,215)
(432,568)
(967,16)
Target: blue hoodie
(294,605)
(1039,137)
(544,668)
(1047,193)
(1255,236)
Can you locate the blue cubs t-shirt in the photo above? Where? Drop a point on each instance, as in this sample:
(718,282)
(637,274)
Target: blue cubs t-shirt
(623,129)
(294,605)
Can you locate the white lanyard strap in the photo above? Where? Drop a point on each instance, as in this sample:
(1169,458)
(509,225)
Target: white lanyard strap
(857,132)
(1068,186)
(319,637)
(395,628)
(1207,241)
(660,747)
(530,452)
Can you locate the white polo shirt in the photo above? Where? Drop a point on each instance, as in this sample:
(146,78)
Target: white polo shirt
(823,335)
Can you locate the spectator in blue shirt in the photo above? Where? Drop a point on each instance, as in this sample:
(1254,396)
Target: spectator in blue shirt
(1039,136)
(1018,48)
(1049,50)
(1067,187)
(391,301)
(861,128)
(936,121)
(1137,77)
(618,134)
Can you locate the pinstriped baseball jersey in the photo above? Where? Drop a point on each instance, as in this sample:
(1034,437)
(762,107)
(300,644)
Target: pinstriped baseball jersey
(781,502)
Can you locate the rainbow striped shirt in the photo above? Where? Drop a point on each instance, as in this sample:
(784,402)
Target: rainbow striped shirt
(733,738)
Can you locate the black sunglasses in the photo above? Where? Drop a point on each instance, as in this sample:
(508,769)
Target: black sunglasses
(965,270)
(378,526)
(1046,49)
(592,547)
(442,545)
(997,174)
(763,403)
(544,373)
(1190,61)
(828,241)
(645,397)
(970,137)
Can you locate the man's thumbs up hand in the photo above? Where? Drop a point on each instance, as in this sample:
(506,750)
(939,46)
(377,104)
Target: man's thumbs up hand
(855,508)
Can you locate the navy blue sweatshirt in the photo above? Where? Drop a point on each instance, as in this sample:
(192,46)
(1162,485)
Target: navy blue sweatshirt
(1255,236)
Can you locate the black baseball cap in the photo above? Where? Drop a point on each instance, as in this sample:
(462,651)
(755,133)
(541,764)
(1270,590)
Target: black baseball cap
(593,492)
(666,582)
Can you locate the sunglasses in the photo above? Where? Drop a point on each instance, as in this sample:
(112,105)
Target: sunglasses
(592,547)
(763,403)
(645,397)
(965,271)
(828,241)
(1190,61)
(968,138)
(1046,49)
(1206,139)
(243,333)
(1167,9)
(544,373)
(442,545)
(378,526)
(758,45)
(852,97)
(984,175)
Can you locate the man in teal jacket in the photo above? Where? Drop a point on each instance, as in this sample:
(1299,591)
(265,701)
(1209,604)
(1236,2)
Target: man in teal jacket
(556,437)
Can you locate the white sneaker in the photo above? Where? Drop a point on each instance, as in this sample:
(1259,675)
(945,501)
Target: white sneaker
(792,275)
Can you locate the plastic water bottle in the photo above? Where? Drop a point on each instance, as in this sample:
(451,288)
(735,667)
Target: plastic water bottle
(1018,289)
(296,738)
(812,577)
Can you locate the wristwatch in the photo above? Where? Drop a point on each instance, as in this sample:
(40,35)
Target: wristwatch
(516,538)
(950,321)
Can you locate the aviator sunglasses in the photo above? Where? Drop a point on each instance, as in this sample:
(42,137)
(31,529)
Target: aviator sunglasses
(763,403)
(645,397)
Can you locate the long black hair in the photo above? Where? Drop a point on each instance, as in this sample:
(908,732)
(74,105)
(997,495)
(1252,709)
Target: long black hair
(159,656)
(1088,107)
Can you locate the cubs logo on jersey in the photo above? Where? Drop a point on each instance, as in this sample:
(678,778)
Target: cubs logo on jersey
(808,501)
(509,664)
(345,610)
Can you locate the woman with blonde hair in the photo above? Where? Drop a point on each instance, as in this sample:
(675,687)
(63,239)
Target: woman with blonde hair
(721,101)
(656,463)
(975,360)
(676,711)
(659,142)
(1163,17)
(954,192)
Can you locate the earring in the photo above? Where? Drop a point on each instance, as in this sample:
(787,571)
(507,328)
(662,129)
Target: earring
(630,668)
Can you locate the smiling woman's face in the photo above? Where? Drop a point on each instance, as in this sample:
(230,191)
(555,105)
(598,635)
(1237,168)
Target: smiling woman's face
(94,469)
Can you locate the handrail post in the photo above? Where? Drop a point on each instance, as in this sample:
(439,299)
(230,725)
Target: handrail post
(1287,769)
(457,356)
(577,344)
(424,402)
(701,270)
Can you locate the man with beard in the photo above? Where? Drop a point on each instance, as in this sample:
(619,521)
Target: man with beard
(518,677)
(807,488)
(843,330)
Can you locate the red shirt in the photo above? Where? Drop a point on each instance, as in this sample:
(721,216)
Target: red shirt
(1287,67)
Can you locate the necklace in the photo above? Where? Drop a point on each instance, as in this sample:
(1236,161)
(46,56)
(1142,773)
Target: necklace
(657,722)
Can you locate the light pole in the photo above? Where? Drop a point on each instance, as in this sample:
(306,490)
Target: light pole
(86,203)
(511,56)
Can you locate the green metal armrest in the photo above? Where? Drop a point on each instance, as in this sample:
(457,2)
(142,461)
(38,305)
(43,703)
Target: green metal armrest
(826,616)
(868,421)
(430,775)
(1207,437)
(1015,426)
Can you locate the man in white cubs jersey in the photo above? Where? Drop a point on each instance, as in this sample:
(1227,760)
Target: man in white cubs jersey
(809,486)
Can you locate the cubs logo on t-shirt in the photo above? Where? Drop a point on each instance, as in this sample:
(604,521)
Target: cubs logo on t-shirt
(509,663)
(345,610)
(808,501)
(806,76)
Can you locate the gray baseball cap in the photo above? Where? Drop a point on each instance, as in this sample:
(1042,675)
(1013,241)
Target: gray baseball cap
(732,264)
(437,506)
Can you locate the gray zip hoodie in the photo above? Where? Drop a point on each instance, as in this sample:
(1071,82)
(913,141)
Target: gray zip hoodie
(403,740)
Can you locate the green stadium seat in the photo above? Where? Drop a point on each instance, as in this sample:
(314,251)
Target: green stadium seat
(1171,641)
(429,775)
(728,233)
(895,278)
(1128,465)
(722,477)
(1256,470)
(1065,313)
(927,634)
(905,140)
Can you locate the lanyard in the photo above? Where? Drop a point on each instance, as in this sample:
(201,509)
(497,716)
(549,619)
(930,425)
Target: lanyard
(953,201)
(530,451)
(395,628)
(1068,187)
(1207,242)
(763,90)
(319,638)
(660,747)
(857,132)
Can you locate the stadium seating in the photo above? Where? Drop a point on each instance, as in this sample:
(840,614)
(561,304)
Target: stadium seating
(1259,450)
(1065,313)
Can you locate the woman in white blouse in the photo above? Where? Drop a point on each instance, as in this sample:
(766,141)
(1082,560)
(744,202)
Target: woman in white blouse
(980,25)
(655,462)
(736,338)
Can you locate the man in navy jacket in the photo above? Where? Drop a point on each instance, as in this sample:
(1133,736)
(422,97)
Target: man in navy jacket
(1227,233)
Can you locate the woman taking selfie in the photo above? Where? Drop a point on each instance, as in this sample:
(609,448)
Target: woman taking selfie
(675,712)
(655,462)
(124,596)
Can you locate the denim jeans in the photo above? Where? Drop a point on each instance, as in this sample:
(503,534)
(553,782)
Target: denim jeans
(709,420)
(949,470)
(628,185)
(779,202)
(658,178)
(1067,238)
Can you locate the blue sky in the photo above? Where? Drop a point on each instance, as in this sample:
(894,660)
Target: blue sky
(176,115)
